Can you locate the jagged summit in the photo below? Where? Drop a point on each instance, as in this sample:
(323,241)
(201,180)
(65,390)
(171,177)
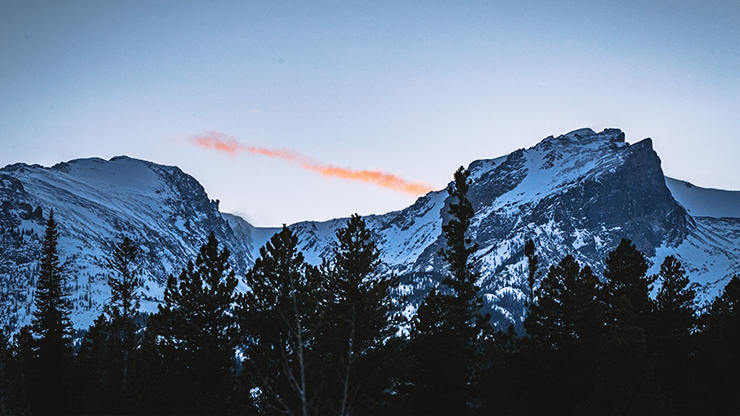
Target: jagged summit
(588,135)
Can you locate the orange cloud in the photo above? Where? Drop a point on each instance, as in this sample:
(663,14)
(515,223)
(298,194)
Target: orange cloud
(230,146)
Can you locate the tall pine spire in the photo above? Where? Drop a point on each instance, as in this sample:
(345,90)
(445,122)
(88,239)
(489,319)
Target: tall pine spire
(450,320)
(52,329)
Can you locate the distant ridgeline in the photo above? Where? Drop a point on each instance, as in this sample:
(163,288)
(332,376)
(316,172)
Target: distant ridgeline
(576,194)
(552,281)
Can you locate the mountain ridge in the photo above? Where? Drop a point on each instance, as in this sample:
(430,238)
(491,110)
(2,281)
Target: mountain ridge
(577,193)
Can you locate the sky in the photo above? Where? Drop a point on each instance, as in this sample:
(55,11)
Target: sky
(411,89)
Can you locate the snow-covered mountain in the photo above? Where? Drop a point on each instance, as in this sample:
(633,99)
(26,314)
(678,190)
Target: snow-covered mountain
(578,193)
(96,202)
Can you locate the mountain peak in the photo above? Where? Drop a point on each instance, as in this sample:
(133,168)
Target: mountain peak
(587,134)
(580,133)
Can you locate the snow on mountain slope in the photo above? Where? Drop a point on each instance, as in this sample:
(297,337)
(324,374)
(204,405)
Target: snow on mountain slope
(710,253)
(96,202)
(704,202)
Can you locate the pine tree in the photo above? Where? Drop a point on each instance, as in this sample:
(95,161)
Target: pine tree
(52,329)
(625,292)
(674,306)
(718,382)
(360,316)
(97,371)
(529,250)
(625,381)
(197,332)
(449,320)
(124,281)
(625,367)
(567,312)
(461,277)
(22,371)
(123,307)
(675,323)
(6,377)
(565,325)
(279,323)
(104,357)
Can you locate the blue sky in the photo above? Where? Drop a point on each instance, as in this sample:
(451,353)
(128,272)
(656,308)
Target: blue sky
(415,88)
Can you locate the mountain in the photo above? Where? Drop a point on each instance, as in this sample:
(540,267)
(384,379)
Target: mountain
(96,202)
(578,193)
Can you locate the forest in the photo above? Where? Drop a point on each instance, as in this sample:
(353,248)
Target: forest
(332,340)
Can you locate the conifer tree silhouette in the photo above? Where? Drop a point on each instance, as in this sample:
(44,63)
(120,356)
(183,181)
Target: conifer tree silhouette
(197,332)
(52,330)
(450,319)
(279,323)
(360,315)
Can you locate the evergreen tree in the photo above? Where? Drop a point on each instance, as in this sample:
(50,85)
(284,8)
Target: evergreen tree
(196,333)
(52,329)
(124,281)
(104,357)
(97,375)
(461,277)
(529,250)
(625,292)
(6,364)
(567,312)
(279,321)
(565,324)
(718,381)
(22,371)
(675,322)
(360,316)
(449,320)
(674,306)
(625,367)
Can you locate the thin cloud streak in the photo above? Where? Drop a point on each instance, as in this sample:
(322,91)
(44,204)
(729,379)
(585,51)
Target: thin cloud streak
(222,143)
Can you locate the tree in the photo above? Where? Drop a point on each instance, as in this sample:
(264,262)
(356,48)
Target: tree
(625,381)
(279,322)
(567,312)
(529,251)
(197,332)
(625,292)
(359,316)
(674,306)
(449,320)
(719,353)
(675,323)
(6,371)
(124,281)
(565,324)
(625,368)
(52,329)
(104,356)
(461,277)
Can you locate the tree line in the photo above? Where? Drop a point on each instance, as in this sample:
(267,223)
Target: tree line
(332,339)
